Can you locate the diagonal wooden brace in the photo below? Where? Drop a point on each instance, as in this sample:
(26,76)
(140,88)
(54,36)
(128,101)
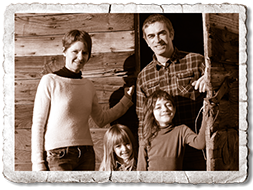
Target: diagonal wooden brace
(220,93)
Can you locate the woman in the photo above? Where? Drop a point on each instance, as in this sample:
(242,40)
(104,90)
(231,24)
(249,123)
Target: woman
(63,103)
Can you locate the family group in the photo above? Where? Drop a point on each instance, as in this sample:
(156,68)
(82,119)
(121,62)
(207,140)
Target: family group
(169,92)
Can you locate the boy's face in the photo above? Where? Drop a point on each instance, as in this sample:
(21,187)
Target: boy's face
(159,39)
(164,112)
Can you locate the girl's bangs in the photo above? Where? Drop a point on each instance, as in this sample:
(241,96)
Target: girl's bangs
(120,137)
(163,96)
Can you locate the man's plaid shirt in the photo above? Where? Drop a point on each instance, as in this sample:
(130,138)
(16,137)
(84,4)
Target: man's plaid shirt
(176,78)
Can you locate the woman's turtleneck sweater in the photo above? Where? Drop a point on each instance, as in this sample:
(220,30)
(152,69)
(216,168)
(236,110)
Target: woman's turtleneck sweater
(64,72)
(61,112)
(166,150)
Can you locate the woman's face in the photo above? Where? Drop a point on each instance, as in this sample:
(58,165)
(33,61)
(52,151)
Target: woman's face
(123,152)
(164,112)
(77,56)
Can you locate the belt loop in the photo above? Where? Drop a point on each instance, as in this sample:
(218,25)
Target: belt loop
(79,152)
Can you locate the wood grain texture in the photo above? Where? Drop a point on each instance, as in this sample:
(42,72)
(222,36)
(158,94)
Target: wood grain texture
(228,21)
(99,65)
(120,41)
(222,47)
(59,24)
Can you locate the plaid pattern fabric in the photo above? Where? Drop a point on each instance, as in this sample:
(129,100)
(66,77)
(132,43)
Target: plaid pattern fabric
(175,78)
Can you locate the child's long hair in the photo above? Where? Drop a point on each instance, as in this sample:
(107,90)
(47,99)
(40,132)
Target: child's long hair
(115,135)
(150,125)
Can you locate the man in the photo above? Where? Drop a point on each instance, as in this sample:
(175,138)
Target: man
(177,72)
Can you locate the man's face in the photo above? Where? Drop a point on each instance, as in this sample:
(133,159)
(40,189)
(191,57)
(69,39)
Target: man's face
(159,39)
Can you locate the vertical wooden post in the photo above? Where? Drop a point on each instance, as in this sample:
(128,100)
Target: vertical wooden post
(221,33)
(207,50)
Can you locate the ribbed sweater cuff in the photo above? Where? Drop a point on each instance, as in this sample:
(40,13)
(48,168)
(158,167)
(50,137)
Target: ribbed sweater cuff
(126,101)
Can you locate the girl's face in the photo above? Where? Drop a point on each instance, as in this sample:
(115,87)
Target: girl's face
(76,56)
(123,152)
(164,112)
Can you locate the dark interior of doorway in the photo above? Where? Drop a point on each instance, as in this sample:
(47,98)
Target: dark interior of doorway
(188,36)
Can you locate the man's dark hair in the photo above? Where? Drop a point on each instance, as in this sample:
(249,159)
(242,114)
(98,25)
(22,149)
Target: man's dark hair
(157,18)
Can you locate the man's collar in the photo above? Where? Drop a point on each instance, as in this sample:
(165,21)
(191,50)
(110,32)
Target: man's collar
(174,58)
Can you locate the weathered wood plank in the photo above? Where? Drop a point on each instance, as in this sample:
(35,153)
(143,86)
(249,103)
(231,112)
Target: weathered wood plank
(33,67)
(23,167)
(225,21)
(218,74)
(225,46)
(222,46)
(37,24)
(23,116)
(23,148)
(222,38)
(122,41)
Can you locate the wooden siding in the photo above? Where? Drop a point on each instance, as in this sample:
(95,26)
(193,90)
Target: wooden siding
(222,49)
(38,51)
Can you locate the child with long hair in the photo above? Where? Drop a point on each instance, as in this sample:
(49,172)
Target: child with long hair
(119,150)
(163,144)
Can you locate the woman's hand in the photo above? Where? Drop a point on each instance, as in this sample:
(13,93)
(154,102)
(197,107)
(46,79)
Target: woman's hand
(129,91)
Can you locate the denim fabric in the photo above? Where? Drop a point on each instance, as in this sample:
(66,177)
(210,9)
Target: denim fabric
(77,158)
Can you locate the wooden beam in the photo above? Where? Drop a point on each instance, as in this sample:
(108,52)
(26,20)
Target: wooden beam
(59,24)
(122,41)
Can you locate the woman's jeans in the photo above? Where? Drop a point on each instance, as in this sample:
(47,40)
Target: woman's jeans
(76,158)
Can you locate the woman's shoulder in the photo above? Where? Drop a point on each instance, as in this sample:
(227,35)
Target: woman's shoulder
(47,78)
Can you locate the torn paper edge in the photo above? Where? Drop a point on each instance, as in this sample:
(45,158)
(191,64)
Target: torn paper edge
(123,177)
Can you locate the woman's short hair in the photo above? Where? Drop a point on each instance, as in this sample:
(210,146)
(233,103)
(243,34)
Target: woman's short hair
(74,36)
(157,18)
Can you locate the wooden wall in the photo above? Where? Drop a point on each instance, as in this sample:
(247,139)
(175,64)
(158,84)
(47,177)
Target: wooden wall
(222,48)
(38,51)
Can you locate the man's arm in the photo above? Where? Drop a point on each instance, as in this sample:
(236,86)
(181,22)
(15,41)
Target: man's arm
(139,106)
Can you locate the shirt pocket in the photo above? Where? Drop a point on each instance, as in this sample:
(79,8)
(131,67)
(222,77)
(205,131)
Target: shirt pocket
(152,87)
(184,81)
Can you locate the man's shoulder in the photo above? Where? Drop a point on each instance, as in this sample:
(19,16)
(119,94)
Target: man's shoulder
(147,68)
(185,54)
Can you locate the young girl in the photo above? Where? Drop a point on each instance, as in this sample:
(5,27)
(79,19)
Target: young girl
(119,150)
(61,139)
(162,147)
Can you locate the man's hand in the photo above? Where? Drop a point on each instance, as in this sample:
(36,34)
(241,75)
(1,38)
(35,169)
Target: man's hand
(200,84)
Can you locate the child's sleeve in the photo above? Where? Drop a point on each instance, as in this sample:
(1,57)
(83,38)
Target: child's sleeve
(196,140)
(142,157)
(102,117)
(40,116)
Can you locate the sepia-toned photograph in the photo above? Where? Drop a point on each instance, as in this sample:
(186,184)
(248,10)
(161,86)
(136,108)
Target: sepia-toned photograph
(145,91)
